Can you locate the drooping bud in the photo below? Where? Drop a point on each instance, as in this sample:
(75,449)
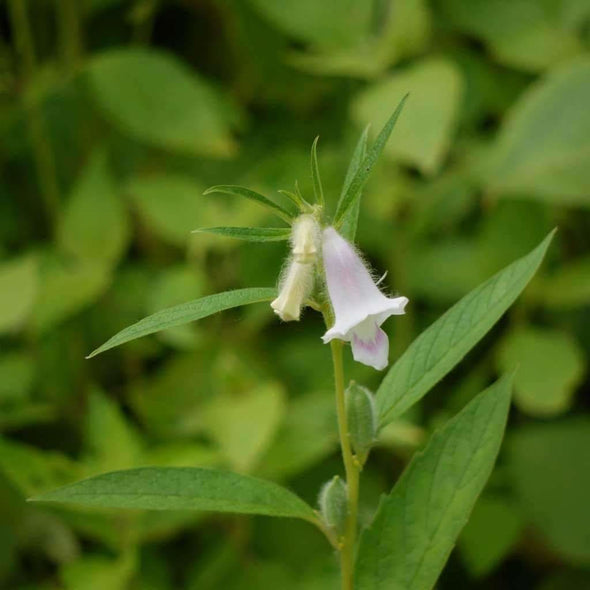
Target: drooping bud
(295,287)
(305,237)
(296,283)
(333,501)
(362,419)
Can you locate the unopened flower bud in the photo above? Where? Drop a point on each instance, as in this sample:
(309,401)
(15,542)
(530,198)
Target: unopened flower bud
(296,283)
(333,503)
(362,419)
(295,287)
(305,238)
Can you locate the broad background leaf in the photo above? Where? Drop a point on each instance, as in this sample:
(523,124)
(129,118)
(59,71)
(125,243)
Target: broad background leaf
(438,349)
(549,465)
(416,526)
(94,225)
(133,89)
(550,364)
(425,130)
(18,289)
(543,148)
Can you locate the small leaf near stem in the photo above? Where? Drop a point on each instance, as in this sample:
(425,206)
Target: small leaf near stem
(251,195)
(315,174)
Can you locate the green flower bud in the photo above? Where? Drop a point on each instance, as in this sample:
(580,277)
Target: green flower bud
(333,503)
(362,419)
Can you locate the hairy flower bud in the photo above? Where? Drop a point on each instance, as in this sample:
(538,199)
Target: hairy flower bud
(333,501)
(362,419)
(305,237)
(295,286)
(296,283)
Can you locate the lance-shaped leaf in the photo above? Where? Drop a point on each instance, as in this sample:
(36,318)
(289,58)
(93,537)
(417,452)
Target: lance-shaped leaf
(183,488)
(187,312)
(315,174)
(417,525)
(439,348)
(350,219)
(354,189)
(249,234)
(241,191)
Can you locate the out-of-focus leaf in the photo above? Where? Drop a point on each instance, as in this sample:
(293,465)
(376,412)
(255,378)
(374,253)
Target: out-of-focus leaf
(307,435)
(348,200)
(183,455)
(444,270)
(438,349)
(93,572)
(550,367)
(543,148)
(329,23)
(246,193)
(550,469)
(159,100)
(170,205)
(18,288)
(111,441)
(416,526)
(33,470)
(183,488)
(17,372)
(244,424)
(426,129)
(249,234)
(567,287)
(187,312)
(492,531)
(94,224)
(65,288)
(526,34)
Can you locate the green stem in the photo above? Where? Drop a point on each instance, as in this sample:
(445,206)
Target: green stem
(69,33)
(351,468)
(42,152)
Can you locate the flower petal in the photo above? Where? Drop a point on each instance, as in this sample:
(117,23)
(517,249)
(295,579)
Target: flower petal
(371,350)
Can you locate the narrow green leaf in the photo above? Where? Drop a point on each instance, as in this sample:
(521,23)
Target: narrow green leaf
(250,234)
(241,191)
(357,183)
(182,488)
(315,173)
(296,199)
(416,526)
(438,349)
(350,220)
(187,312)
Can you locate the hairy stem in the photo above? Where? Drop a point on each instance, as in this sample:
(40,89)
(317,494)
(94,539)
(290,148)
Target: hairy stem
(351,468)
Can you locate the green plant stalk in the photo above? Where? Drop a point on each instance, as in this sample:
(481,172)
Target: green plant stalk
(42,153)
(68,20)
(352,470)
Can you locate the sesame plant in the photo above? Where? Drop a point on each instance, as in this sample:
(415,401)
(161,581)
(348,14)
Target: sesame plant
(415,526)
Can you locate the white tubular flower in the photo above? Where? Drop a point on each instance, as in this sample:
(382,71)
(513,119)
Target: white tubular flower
(297,282)
(359,306)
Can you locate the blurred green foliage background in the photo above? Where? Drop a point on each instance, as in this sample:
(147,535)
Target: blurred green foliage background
(116,114)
